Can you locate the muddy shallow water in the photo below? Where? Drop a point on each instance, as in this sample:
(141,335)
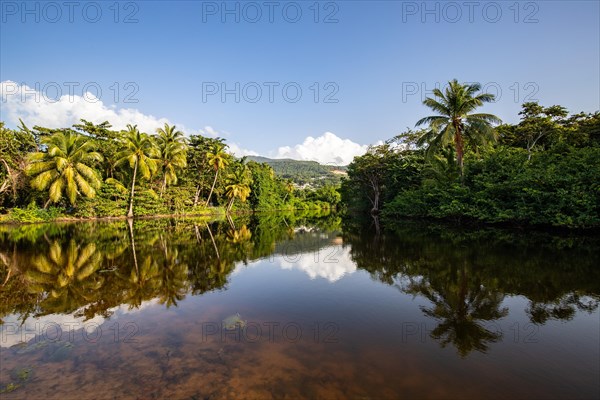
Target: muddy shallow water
(112,311)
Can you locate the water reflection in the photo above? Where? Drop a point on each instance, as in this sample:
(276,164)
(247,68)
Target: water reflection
(460,304)
(104,265)
(67,275)
(466,275)
(367,282)
(331,262)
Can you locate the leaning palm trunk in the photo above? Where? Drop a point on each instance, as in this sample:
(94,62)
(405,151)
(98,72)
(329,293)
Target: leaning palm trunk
(231,224)
(132,239)
(130,212)
(197,195)
(213,187)
(230,204)
(198,236)
(212,238)
(163,187)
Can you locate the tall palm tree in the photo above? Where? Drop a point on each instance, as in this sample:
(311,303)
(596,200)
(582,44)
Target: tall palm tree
(66,167)
(172,148)
(140,154)
(456,121)
(289,188)
(170,134)
(238,185)
(218,159)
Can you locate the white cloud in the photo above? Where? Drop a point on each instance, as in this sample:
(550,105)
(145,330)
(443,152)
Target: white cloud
(35,108)
(51,327)
(210,131)
(240,152)
(326,149)
(61,326)
(233,147)
(331,263)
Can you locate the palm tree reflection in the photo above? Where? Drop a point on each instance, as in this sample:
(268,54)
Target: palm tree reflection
(173,275)
(461,304)
(68,275)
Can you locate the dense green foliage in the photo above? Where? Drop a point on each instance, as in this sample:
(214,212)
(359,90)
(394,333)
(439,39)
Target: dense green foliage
(559,187)
(542,171)
(91,171)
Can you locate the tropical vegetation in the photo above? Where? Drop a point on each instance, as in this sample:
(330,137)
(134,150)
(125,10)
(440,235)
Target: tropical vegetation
(90,170)
(459,163)
(467,166)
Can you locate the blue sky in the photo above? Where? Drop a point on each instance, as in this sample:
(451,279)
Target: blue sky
(372,62)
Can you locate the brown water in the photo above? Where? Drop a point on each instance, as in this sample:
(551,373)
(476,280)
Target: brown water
(95,311)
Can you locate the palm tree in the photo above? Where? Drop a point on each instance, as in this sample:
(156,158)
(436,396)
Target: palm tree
(170,134)
(139,153)
(456,122)
(172,154)
(66,167)
(238,185)
(219,159)
(67,274)
(289,188)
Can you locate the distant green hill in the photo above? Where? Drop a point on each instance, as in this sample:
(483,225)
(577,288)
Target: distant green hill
(303,172)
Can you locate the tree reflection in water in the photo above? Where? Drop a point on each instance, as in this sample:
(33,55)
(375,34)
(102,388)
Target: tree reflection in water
(461,303)
(66,275)
(465,275)
(104,265)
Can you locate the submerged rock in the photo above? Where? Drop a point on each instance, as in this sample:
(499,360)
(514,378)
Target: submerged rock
(10,387)
(233,321)
(21,374)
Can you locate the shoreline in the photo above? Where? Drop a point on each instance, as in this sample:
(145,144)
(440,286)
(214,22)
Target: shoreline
(471,223)
(110,218)
(514,226)
(207,213)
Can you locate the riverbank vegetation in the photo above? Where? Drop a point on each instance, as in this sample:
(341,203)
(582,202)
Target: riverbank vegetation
(92,171)
(466,165)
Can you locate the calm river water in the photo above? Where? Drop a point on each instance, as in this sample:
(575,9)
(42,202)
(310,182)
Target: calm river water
(296,307)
